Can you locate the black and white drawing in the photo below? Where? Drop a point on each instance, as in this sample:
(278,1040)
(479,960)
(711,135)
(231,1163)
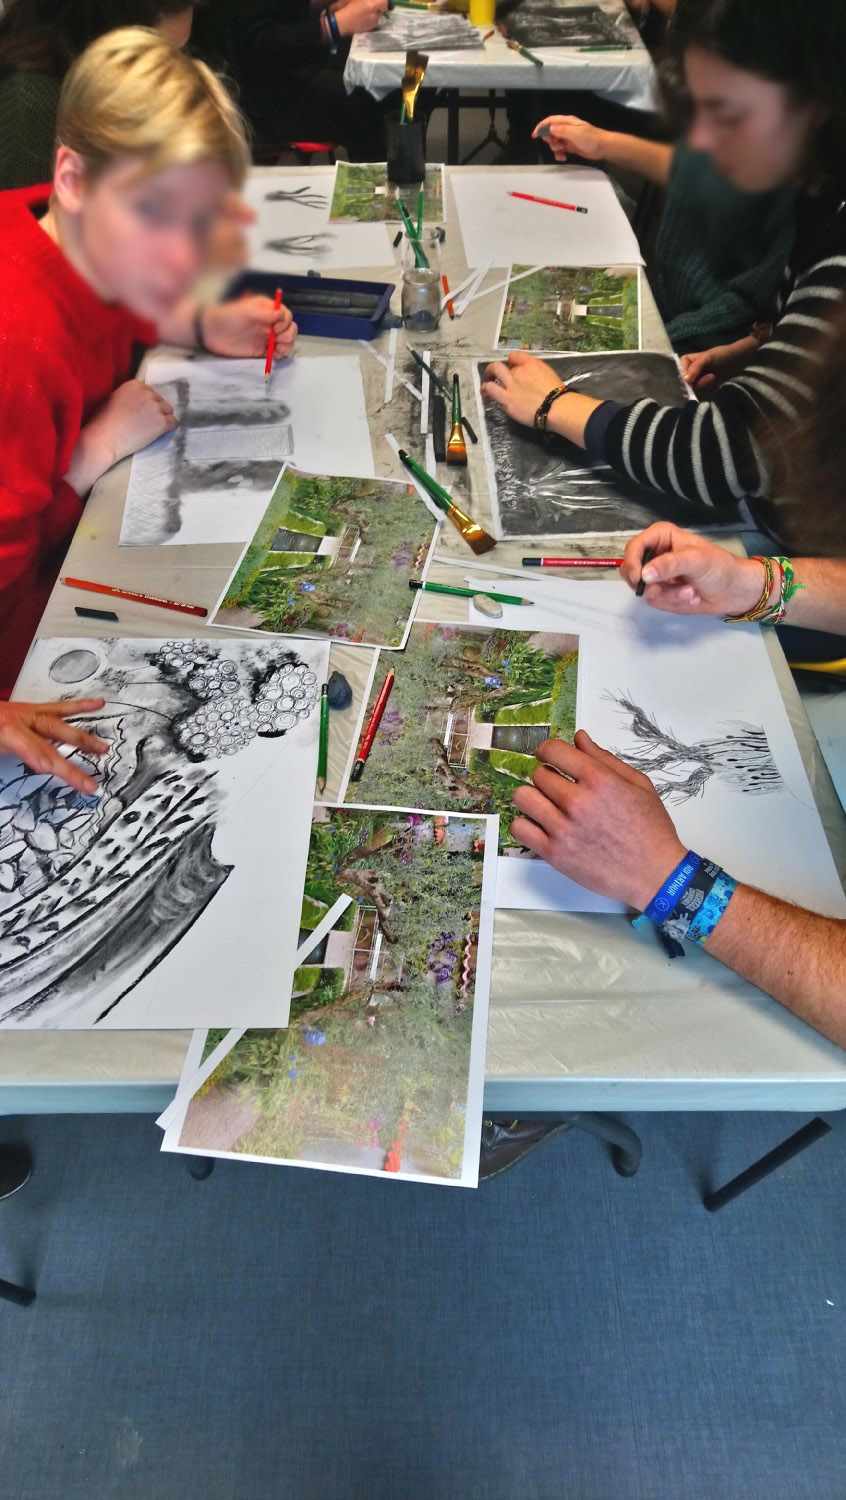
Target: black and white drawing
(105,901)
(553,489)
(543,23)
(292,230)
(739,758)
(211,478)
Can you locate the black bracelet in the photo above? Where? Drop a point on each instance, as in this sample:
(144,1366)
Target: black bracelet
(198,330)
(543,410)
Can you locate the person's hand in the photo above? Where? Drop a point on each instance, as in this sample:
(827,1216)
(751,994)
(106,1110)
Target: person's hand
(519,385)
(689,575)
(241,329)
(133,416)
(228,249)
(704,371)
(600,822)
(28,730)
(359,15)
(570,136)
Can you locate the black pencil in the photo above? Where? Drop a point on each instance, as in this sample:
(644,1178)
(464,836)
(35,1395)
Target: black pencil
(648,555)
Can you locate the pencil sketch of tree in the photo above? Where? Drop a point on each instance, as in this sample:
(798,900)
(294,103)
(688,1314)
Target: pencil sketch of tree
(740,758)
(94,892)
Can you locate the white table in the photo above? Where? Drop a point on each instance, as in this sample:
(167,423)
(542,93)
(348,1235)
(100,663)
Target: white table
(627,78)
(585,1014)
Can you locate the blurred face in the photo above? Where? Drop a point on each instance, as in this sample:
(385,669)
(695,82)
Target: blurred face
(177,28)
(757,134)
(141,241)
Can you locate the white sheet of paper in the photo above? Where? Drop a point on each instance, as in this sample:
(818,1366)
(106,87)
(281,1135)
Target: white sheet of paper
(210,479)
(173,900)
(314,244)
(532,233)
(475,1071)
(698,680)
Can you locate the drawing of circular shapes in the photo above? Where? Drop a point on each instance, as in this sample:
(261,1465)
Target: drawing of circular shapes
(76,665)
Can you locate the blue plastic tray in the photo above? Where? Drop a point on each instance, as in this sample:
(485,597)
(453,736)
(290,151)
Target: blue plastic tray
(328,325)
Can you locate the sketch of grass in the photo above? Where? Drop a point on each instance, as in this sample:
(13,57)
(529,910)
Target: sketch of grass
(542,23)
(332,557)
(739,759)
(566,308)
(363,196)
(372,1072)
(467,709)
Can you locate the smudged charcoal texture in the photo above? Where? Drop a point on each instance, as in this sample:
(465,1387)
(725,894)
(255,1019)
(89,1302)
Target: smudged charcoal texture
(340,692)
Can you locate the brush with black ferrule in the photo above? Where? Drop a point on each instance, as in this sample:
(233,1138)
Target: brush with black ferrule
(456,447)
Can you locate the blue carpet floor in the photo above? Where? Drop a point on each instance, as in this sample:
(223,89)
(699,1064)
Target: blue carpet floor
(561,1334)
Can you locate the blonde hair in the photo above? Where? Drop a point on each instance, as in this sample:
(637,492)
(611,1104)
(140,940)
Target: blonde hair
(132,92)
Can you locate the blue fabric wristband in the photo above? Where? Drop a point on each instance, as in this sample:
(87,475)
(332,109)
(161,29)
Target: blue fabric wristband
(712,908)
(665,900)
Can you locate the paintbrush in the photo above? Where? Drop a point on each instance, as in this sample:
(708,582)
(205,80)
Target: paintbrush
(456,447)
(474,535)
(416,64)
(418,359)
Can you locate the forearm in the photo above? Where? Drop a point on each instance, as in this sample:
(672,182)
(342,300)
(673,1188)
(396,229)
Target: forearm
(568,416)
(796,956)
(89,461)
(820,604)
(179,327)
(652,159)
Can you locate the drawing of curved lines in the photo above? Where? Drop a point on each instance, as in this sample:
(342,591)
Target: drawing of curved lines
(739,759)
(302,244)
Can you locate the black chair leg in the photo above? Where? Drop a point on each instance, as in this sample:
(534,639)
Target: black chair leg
(22,1296)
(796,1143)
(200,1167)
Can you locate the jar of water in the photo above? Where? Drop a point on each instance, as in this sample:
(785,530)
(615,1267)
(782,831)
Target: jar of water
(421,281)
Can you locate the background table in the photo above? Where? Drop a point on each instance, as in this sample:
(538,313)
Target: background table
(585,1013)
(627,78)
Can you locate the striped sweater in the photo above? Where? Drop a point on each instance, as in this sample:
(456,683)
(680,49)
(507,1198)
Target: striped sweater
(713,451)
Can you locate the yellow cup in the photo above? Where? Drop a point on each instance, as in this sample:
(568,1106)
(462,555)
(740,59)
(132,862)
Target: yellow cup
(482,12)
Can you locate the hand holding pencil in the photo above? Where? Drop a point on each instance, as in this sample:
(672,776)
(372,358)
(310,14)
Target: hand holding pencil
(242,329)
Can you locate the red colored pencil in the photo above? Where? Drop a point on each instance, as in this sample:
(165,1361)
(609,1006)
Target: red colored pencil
(370,732)
(572,562)
(575,208)
(106,588)
(271,341)
(449,307)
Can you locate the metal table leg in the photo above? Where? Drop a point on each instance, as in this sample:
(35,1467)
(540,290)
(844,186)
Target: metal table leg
(796,1143)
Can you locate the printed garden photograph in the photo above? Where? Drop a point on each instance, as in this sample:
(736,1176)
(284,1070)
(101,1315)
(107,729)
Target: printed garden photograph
(332,557)
(363,195)
(373,1070)
(559,308)
(467,709)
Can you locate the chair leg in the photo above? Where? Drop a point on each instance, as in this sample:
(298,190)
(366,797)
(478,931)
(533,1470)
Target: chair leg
(626,1146)
(796,1143)
(22,1296)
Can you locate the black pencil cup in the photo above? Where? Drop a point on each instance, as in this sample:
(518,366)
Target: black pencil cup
(405,152)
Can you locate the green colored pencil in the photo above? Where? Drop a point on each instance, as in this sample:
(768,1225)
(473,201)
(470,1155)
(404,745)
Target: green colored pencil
(461,593)
(420,213)
(323,745)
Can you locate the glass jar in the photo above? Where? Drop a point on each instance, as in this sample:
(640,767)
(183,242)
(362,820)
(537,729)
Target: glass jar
(421,282)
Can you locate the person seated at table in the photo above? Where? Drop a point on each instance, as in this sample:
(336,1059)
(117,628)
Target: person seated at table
(767,88)
(719,254)
(39,40)
(93,271)
(286,58)
(603,824)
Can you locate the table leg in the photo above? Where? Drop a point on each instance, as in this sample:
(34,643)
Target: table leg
(796,1143)
(453,103)
(626,1146)
(200,1167)
(22,1296)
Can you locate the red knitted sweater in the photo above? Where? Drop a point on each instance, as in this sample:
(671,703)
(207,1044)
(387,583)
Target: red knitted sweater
(62,353)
